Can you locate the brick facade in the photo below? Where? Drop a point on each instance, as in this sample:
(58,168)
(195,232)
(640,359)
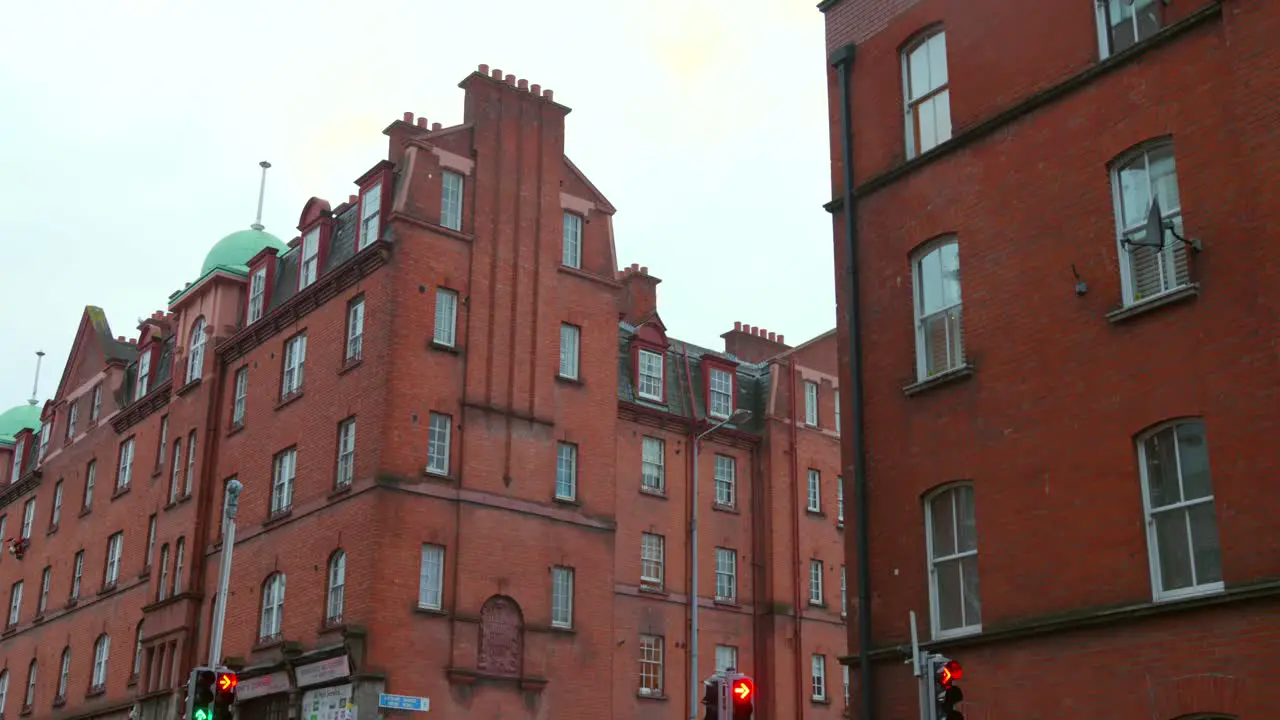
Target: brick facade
(488,635)
(1065,374)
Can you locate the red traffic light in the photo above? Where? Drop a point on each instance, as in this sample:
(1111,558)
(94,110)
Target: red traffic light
(227,682)
(742,690)
(950,673)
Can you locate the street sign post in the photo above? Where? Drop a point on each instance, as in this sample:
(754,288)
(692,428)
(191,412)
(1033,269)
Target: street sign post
(404,702)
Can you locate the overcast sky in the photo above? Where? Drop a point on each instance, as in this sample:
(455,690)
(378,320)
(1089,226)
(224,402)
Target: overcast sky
(130,133)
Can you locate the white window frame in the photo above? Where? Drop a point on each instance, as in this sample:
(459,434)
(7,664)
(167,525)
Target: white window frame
(1182,507)
(836,405)
(295,359)
(817,593)
(571,248)
(566,471)
(43,603)
(137,650)
(45,431)
(162,587)
(431,577)
(283,473)
(15,604)
(355,330)
(818,671)
(63,676)
(950,494)
(1105,49)
(309,261)
(195,351)
(726,658)
(179,559)
(726,481)
(935,98)
(445,333)
(334,597)
(1174,253)
(653,563)
(726,575)
(952,314)
(839,501)
(257,295)
(56,516)
(719,393)
(164,440)
(346,465)
(124,471)
(844,593)
(77,575)
(90,476)
(115,548)
(439,443)
(191,465)
(562,597)
(272,619)
(650,372)
(810,403)
(4,687)
(652,670)
(32,672)
(241,396)
(96,409)
(813,494)
(143,381)
(653,464)
(28,518)
(73,414)
(16,468)
(452,190)
(370,215)
(151,540)
(570,350)
(175,479)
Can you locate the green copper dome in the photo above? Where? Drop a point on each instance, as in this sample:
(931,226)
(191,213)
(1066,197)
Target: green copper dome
(236,249)
(13,420)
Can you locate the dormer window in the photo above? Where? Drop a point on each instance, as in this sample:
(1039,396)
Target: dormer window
(44,439)
(144,374)
(73,410)
(649,383)
(96,409)
(310,265)
(195,352)
(257,294)
(18,447)
(719,392)
(451,200)
(370,212)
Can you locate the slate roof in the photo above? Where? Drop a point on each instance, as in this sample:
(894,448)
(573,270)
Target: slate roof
(686,391)
(342,247)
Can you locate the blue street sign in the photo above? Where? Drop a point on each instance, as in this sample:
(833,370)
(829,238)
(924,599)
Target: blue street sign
(404,702)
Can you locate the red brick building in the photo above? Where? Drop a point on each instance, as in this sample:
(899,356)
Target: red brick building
(1068,398)
(464,439)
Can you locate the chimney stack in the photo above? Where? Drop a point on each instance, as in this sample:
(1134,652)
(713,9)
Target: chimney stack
(639,294)
(753,343)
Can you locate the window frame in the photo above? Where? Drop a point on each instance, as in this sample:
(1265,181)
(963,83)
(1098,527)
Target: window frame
(439,450)
(1173,248)
(731,555)
(1106,41)
(817,582)
(729,484)
(90,478)
(354,347)
(309,255)
(812,414)
(445,331)
(570,352)
(661,356)
(813,491)
(124,466)
(292,371)
(115,553)
(919,318)
(911,104)
(652,656)
(451,213)
(1158,593)
(281,484)
(240,400)
(345,463)
(648,542)
(714,371)
(660,465)
(15,604)
(273,590)
(818,678)
(431,584)
(335,588)
(935,608)
(142,383)
(195,350)
(562,612)
(257,305)
(571,240)
(566,452)
(370,211)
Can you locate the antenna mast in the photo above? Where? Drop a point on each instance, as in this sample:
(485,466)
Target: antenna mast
(262,191)
(35,386)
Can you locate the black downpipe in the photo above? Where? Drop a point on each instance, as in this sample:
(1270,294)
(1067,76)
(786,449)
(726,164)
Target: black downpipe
(842,59)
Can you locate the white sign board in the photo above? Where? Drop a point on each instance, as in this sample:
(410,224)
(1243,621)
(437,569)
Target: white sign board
(327,703)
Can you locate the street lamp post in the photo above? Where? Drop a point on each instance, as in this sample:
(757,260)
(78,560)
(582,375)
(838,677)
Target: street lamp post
(737,418)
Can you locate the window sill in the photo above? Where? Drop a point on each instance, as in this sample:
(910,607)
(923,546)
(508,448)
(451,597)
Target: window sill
(108,588)
(1190,593)
(120,492)
(235,428)
(38,618)
(814,512)
(655,400)
(640,694)
(72,602)
(819,604)
(267,643)
(572,502)
(156,473)
(288,399)
(721,507)
(146,573)
(1155,302)
(9,630)
(26,710)
(133,680)
(59,700)
(430,611)
(819,701)
(571,381)
(277,517)
(334,624)
(85,511)
(349,365)
(188,387)
(651,589)
(653,492)
(958,633)
(52,529)
(95,691)
(726,602)
(562,629)
(441,347)
(339,491)
(943,378)
(437,475)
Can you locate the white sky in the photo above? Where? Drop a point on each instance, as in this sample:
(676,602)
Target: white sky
(130,133)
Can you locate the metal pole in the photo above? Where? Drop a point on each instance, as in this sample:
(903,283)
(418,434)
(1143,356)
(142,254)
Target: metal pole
(228,549)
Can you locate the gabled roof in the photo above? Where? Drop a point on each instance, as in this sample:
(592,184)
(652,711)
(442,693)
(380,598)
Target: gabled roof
(599,196)
(93,323)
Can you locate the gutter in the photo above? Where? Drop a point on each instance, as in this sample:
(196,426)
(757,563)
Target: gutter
(842,60)
(794,472)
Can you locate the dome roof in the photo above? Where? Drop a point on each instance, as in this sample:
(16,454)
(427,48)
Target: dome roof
(13,420)
(236,249)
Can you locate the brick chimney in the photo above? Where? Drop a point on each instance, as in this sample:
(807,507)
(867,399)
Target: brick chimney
(639,294)
(753,344)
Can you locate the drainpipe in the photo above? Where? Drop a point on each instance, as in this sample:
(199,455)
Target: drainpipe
(842,60)
(795,536)
(210,491)
(691,496)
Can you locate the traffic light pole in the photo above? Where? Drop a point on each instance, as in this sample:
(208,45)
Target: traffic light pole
(232,503)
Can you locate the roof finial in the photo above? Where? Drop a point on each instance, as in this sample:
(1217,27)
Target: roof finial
(262,191)
(36,385)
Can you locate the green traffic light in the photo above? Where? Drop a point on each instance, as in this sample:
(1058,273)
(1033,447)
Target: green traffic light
(201,714)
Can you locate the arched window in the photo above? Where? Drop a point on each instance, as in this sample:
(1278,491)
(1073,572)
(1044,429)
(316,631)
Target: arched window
(178,556)
(951,532)
(137,650)
(1177,496)
(162,588)
(64,675)
(927,92)
(1143,180)
(30,698)
(939,327)
(272,607)
(195,351)
(337,581)
(101,653)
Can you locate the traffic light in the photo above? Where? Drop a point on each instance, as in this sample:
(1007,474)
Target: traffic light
(224,694)
(711,698)
(945,673)
(200,694)
(742,696)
